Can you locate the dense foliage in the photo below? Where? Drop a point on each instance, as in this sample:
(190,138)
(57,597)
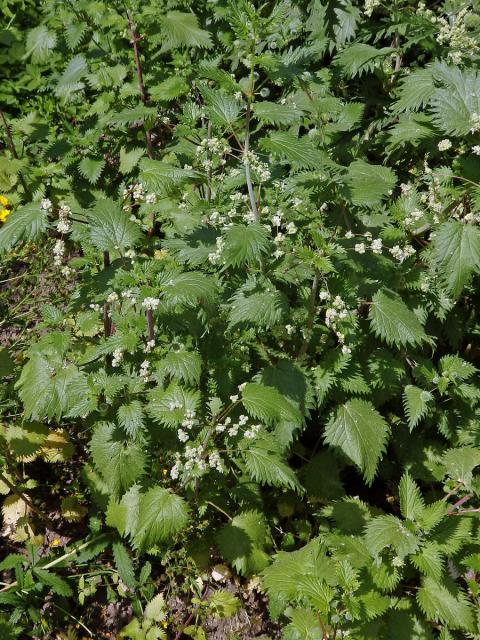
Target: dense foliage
(267,216)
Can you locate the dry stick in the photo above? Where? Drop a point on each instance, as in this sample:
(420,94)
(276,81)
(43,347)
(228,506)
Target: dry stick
(141,84)
(13,151)
(246,161)
(23,497)
(311,316)
(150,327)
(107,323)
(209,174)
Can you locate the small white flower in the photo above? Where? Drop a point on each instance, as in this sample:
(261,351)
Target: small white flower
(324,295)
(46,204)
(150,303)
(112,297)
(291,228)
(360,247)
(349,235)
(346,350)
(476,149)
(234,398)
(376,245)
(290,329)
(444,145)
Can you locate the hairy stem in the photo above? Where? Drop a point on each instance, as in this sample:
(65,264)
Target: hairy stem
(311,316)
(13,151)
(141,83)
(107,322)
(246,162)
(150,325)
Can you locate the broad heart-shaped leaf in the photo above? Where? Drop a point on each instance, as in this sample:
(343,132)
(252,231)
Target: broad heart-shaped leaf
(121,462)
(267,404)
(182,30)
(367,184)
(459,463)
(450,607)
(456,254)
(276,113)
(389,531)
(110,228)
(242,542)
(161,515)
(392,320)
(40,42)
(411,501)
(266,467)
(130,417)
(415,401)
(257,304)
(245,244)
(23,225)
(221,108)
(361,433)
(299,152)
(91,169)
(454,104)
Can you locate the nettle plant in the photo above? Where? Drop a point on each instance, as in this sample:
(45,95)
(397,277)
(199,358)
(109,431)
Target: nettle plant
(271,226)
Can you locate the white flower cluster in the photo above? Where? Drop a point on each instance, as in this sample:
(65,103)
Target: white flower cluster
(129,296)
(370,6)
(338,311)
(46,205)
(402,254)
(376,245)
(145,371)
(215,256)
(414,217)
(476,149)
(64,213)
(150,304)
(117,357)
(196,459)
(475,122)
(452,32)
(260,168)
(214,146)
(112,297)
(444,144)
(58,252)
(188,423)
(137,191)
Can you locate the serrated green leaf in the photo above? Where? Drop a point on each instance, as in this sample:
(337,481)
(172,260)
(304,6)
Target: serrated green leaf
(411,500)
(123,564)
(275,113)
(40,42)
(130,159)
(266,467)
(182,30)
(392,320)
(368,184)
(26,224)
(110,228)
(245,244)
(130,417)
(361,433)
(415,401)
(299,152)
(91,169)
(456,254)
(451,608)
(161,515)
(242,542)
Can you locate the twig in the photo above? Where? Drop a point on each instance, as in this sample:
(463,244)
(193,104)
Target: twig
(311,316)
(246,162)
(150,326)
(325,634)
(107,323)
(13,151)
(141,84)
(454,508)
(209,172)
(215,506)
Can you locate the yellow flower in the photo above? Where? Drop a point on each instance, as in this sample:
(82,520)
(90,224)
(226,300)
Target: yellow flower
(4,213)
(164,471)
(164,624)
(4,201)
(55,542)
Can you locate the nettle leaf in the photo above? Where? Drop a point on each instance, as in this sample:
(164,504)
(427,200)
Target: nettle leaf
(110,228)
(454,105)
(130,418)
(448,606)
(161,515)
(25,224)
(124,564)
(388,531)
(456,254)
(415,91)
(392,320)
(368,183)
(130,159)
(276,113)
(361,433)
(242,542)
(70,80)
(415,401)
(268,404)
(411,500)
(139,114)
(182,365)
(55,583)
(245,244)
(169,406)
(266,467)
(220,107)
(299,152)
(429,561)
(182,30)
(459,463)
(257,304)
(91,169)
(160,176)
(40,42)
(360,58)
(169,89)
(120,462)
(188,289)
(75,33)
